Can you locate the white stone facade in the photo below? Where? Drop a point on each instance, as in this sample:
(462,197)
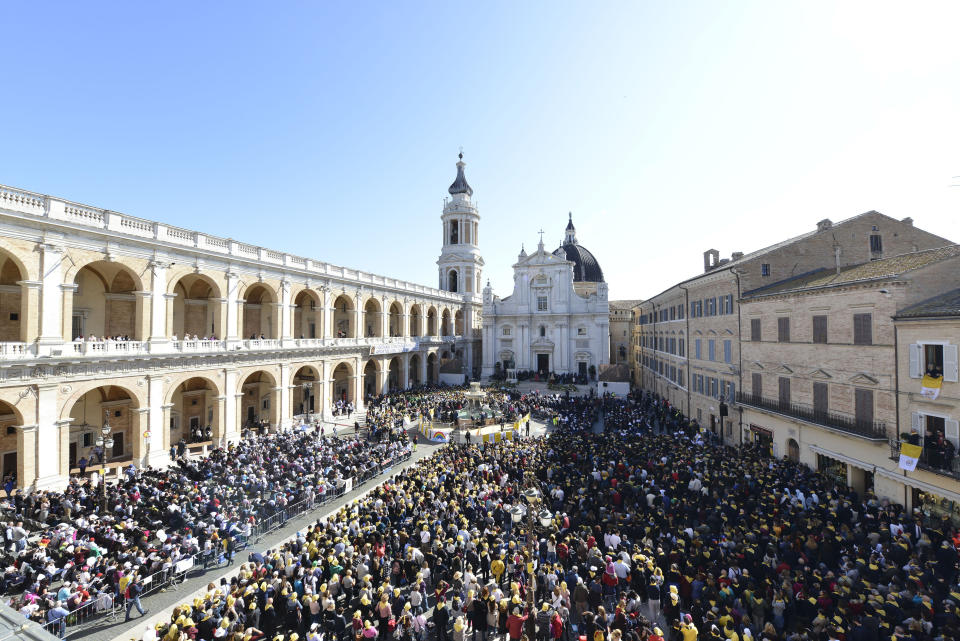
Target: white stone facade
(545,325)
(160,329)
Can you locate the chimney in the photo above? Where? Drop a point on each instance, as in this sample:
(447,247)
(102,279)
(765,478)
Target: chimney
(711,258)
(736,255)
(824,224)
(907,221)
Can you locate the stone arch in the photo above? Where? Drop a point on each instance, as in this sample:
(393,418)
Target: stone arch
(433,368)
(196,307)
(394,374)
(416,320)
(371,376)
(344,317)
(192,401)
(257,402)
(14,299)
(307,319)
(12,451)
(258,302)
(458,323)
(445,326)
(307,383)
(89,407)
(793,450)
(432,321)
(342,383)
(395,320)
(414,371)
(372,323)
(106,302)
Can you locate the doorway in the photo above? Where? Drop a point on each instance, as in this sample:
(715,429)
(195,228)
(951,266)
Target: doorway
(9,466)
(543,364)
(582,368)
(117,445)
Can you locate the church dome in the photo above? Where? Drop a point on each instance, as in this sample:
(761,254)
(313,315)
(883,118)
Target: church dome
(586,269)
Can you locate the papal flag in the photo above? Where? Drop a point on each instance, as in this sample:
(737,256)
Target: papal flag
(909,455)
(930,386)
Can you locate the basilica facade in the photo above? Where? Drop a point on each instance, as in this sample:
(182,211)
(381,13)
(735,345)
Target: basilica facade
(557,318)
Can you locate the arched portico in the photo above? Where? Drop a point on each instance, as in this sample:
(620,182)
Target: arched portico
(416,321)
(257,402)
(306,315)
(395,375)
(396,319)
(433,368)
(306,387)
(344,318)
(108,301)
(89,412)
(414,373)
(196,308)
(371,374)
(372,319)
(341,383)
(192,405)
(258,305)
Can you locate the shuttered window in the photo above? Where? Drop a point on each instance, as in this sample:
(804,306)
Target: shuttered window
(755,330)
(863,329)
(756,385)
(783,329)
(864,407)
(784,391)
(820,405)
(819,329)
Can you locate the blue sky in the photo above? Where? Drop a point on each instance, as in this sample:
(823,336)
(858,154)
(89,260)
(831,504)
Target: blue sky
(331,129)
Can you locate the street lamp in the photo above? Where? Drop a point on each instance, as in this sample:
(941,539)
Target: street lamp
(535,520)
(104,442)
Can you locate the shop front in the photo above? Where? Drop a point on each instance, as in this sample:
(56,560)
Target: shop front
(762,438)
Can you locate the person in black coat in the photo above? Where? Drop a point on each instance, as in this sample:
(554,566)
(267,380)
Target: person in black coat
(441,618)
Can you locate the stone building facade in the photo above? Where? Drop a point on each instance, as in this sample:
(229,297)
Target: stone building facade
(621,330)
(687,339)
(556,320)
(820,366)
(158,330)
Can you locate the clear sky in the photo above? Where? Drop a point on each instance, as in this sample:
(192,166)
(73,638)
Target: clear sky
(331,129)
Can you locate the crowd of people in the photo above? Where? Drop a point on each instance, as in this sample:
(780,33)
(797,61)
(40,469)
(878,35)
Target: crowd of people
(87,546)
(654,533)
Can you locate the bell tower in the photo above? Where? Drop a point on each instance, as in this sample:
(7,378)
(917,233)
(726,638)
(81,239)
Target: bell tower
(460,264)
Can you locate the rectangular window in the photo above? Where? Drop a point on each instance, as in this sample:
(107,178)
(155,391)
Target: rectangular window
(680,377)
(783,329)
(755,330)
(696,348)
(681,348)
(756,385)
(729,303)
(765,269)
(673,313)
(727,351)
(680,311)
(820,403)
(876,243)
(933,359)
(506,331)
(863,329)
(863,401)
(712,349)
(783,392)
(819,329)
(541,303)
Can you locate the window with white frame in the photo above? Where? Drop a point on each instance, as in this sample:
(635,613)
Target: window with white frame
(506,331)
(933,427)
(541,303)
(934,357)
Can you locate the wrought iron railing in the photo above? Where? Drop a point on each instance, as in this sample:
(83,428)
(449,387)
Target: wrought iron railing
(873,430)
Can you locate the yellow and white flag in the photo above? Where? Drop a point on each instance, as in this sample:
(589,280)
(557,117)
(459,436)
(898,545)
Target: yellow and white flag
(930,386)
(909,455)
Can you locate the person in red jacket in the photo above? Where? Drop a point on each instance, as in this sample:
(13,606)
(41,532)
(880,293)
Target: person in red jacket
(515,624)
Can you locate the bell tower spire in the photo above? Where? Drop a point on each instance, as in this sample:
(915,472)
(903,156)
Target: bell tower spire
(460,264)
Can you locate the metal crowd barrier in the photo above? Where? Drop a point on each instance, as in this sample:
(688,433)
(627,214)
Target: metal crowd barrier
(109,608)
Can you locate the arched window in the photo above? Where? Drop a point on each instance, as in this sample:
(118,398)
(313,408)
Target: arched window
(454,232)
(543,331)
(453,280)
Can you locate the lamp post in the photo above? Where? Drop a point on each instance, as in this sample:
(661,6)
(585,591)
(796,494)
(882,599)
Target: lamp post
(541,520)
(104,442)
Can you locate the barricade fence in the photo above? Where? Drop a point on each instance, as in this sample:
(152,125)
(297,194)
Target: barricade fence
(109,608)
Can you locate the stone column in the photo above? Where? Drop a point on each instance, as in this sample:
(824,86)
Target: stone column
(143,445)
(604,345)
(360,331)
(168,301)
(322,389)
(383,385)
(563,349)
(48,446)
(423,367)
(404,371)
(142,316)
(283,398)
(231,400)
(51,299)
(26,455)
(158,306)
(384,319)
(30,311)
(405,322)
(286,318)
(157,423)
(233,311)
(327,313)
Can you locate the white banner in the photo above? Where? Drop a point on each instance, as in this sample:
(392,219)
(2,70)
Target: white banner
(393,348)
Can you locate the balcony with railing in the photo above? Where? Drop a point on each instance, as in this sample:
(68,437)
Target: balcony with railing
(870,430)
(933,458)
(10,351)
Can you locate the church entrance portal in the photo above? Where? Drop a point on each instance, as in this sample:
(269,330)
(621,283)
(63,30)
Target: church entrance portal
(543,365)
